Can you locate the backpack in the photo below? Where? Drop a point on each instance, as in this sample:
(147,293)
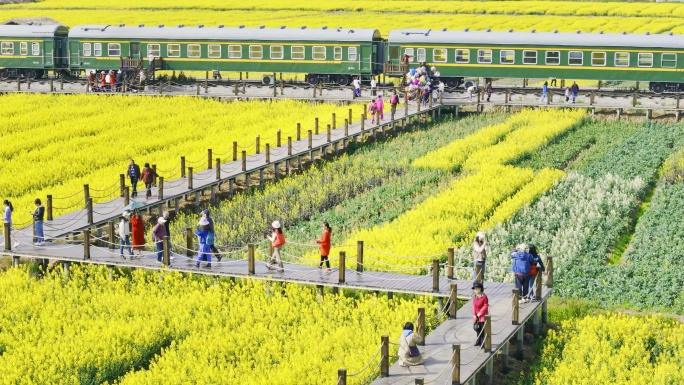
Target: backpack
(372,108)
(394,99)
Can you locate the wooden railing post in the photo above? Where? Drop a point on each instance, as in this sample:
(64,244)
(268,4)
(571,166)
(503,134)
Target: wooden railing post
(435,275)
(488,334)
(235,151)
(244,160)
(350,118)
(49,206)
(342,377)
(420,328)
(278,138)
(334,121)
(89,208)
(111,237)
(549,272)
(160,188)
(316,126)
(450,263)
(182,165)
(516,307)
(127,196)
(299,131)
(538,285)
(456,364)
(122,183)
(346,127)
(268,153)
(86,244)
(359,256)
(453,301)
(86,192)
(258,144)
(189,178)
(250,258)
(154,173)
(328,133)
(210,162)
(218,168)
(8,238)
(384,356)
(189,235)
(167,251)
(289,145)
(363,120)
(342,267)
(310,139)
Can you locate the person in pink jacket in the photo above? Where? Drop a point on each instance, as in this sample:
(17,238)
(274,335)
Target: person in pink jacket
(379,108)
(480,310)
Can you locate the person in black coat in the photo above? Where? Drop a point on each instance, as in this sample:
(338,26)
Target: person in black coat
(133,172)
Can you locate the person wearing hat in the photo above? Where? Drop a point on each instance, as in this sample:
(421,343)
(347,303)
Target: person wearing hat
(277,239)
(480,252)
(408,353)
(158,234)
(212,235)
(204,253)
(480,310)
(521,268)
(125,234)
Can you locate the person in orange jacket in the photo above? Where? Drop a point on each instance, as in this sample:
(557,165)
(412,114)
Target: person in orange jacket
(112,81)
(324,241)
(103,81)
(277,239)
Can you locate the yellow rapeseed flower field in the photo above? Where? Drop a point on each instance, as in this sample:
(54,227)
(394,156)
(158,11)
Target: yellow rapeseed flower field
(56,144)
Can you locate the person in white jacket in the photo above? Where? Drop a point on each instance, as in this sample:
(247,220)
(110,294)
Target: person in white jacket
(125,235)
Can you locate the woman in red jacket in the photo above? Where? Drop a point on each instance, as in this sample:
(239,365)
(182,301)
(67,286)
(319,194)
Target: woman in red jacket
(480,310)
(325,245)
(147,177)
(137,232)
(277,239)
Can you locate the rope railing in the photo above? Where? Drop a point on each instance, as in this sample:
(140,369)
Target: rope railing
(68,196)
(368,364)
(450,365)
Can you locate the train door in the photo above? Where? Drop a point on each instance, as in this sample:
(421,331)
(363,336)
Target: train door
(48,53)
(74,54)
(366,58)
(135,50)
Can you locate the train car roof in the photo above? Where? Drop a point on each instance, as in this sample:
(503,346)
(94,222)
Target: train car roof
(32,30)
(428,36)
(231,33)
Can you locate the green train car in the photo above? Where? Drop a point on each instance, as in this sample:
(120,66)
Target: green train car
(331,55)
(658,59)
(31,50)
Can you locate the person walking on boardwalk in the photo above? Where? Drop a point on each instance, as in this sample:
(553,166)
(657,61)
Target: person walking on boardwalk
(575,90)
(112,81)
(137,232)
(536,266)
(480,253)
(7,218)
(545,92)
(357,87)
(567,94)
(480,310)
(204,252)
(158,234)
(125,235)
(409,355)
(394,101)
(91,81)
(134,173)
(521,268)
(489,89)
(38,216)
(380,108)
(371,110)
(324,241)
(277,239)
(147,177)
(212,235)
(374,86)
(103,82)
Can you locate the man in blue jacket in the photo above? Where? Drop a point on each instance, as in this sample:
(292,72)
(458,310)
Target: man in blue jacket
(521,268)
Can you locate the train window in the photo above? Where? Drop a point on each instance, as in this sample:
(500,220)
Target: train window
(23,48)
(35,49)
(420,55)
(97,49)
(529,57)
(297,52)
(154,49)
(351,53)
(114,49)
(7,48)
(668,60)
(484,55)
(86,49)
(622,59)
(235,52)
(575,58)
(439,55)
(409,51)
(194,50)
(552,58)
(277,52)
(214,51)
(462,55)
(318,53)
(173,50)
(598,58)
(645,60)
(507,56)
(337,53)
(256,52)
